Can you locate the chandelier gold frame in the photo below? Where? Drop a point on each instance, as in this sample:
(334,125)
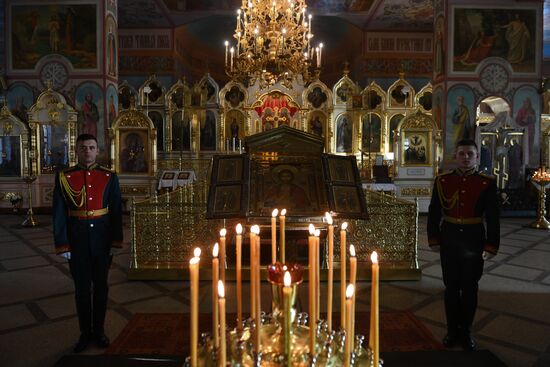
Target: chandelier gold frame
(273,44)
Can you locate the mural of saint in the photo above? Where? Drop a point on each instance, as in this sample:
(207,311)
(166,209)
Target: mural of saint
(343,136)
(526,117)
(208,132)
(88,116)
(463,127)
(518,37)
(180,132)
(317,126)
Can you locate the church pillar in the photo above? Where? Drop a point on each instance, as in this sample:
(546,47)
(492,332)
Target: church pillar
(493,51)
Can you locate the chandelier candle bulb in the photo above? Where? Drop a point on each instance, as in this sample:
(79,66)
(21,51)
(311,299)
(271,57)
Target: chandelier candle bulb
(350,290)
(274,235)
(215,274)
(226,50)
(239,242)
(282,219)
(330,279)
(343,274)
(222,357)
(232,51)
(287,296)
(311,291)
(352,281)
(194,315)
(374,311)
(223,233)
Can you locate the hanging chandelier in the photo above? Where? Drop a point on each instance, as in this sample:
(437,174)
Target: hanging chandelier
(273,44)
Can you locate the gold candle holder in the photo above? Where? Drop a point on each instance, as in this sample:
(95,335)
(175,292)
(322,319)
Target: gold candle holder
(541,179)
(29,220)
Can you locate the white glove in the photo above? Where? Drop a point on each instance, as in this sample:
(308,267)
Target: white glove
(66,255)
(435,248)
(487,255)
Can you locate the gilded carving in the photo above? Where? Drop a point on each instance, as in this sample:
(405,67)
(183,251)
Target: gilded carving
(132,118)
(418,120)
(135,190)
(416,191)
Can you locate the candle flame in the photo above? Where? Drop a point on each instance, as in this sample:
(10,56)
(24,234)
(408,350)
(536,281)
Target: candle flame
(194,261)
(283,212)
(197,252)
(351,250)
(311,229)
(223,232)
(239,228)
(329,218)
(374,257)
(344,226)
(287,279)
(255,229)
(221,289)
(317,232)
(215,250)
(349,291)
(274,212)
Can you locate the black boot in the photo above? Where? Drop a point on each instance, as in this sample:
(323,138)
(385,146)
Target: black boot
(451,339)
(468,343)
(82,343)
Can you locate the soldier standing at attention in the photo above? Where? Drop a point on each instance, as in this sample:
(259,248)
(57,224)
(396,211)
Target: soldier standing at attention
(464,226)
(87,222)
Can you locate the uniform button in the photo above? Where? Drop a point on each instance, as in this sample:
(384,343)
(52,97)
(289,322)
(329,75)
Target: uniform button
(463,191)
(89,185)
(89,173)
(92,225)
(461,230)
(464,180)
(461,204)
(89,198)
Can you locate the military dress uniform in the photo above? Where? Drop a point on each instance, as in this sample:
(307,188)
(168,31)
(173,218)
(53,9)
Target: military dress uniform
(87,222)
(461,202)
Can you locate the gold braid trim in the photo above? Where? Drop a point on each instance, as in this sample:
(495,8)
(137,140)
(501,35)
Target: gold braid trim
(70,193)
(446,203)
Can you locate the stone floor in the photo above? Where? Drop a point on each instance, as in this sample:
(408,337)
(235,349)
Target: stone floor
(38,321)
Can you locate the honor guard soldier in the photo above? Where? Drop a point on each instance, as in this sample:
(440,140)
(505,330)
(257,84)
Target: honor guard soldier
(87,222)
(464,226)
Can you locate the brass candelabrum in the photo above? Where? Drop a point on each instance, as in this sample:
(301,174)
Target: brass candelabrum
(541,180)
(329,347)
(29,220)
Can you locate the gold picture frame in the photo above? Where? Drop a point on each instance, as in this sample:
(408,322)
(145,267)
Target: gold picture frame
(416,147)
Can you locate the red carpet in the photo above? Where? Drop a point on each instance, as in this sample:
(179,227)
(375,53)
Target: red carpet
(168,334)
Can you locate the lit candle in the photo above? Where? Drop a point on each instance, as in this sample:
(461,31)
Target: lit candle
(239,242)
(215,275)
(274,235)
(343,274)
(348,343)
(352,281)
(221,305)
(330,269)
(231,51)
(257,289)
(374,311)
(282,218)
(287,298)
(320,53)
(317,55)
(311,292)
(223,232)
(317,275)
(252,272)
(194,315)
